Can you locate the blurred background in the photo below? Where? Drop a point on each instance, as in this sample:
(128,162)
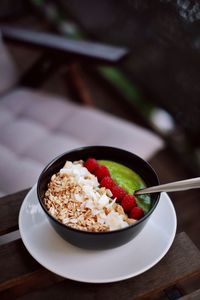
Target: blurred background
(156,86)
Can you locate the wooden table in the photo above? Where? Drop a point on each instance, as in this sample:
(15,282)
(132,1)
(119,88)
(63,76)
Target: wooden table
(23,278)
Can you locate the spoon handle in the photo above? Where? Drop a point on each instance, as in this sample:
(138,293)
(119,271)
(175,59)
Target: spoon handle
(172,187)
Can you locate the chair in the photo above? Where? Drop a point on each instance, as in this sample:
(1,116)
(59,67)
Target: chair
(36,126)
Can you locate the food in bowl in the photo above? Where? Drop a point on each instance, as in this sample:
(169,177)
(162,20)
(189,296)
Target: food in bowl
(126,182)
(95,195)
(101,240)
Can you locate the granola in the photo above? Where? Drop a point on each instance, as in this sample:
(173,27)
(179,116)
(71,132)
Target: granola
(75,198)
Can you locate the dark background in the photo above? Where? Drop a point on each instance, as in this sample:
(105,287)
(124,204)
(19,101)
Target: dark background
(164,38)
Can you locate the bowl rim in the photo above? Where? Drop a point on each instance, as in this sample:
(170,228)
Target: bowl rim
(87,232)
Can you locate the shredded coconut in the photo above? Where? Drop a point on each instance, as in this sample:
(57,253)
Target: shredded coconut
(75,198)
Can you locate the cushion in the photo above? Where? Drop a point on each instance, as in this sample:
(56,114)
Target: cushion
(9,73)
(35,127)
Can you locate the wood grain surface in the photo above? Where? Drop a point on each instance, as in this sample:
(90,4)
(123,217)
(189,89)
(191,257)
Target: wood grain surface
(9,211)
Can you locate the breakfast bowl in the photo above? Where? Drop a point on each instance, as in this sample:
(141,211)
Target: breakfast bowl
(118,224)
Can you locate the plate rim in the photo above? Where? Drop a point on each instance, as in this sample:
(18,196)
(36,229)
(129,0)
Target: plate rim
(102,280)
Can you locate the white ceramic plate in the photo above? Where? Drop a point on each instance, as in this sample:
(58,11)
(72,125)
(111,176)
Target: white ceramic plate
(66,260)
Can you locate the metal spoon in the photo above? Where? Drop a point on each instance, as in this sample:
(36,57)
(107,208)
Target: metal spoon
(182,185)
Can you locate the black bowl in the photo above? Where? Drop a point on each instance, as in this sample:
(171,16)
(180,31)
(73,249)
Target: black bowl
(99,240)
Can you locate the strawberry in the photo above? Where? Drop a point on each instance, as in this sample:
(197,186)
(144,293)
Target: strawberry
(118,192)
(128,202)
(91,164)
(136,213)
(101,172)
(107,182)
